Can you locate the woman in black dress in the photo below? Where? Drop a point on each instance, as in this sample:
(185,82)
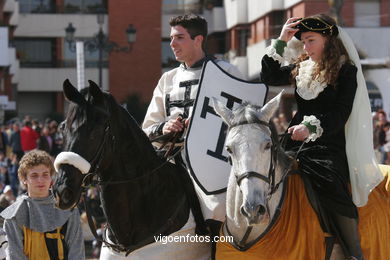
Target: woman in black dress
(326,82)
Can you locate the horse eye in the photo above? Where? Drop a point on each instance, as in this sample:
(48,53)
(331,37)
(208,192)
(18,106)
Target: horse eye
(268,145)
(228,149)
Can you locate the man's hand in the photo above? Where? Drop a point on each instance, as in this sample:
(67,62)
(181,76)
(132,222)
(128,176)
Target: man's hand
(298,132)
(173,125)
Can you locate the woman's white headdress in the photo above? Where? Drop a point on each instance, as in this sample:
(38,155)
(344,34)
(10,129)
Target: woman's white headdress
(363,168)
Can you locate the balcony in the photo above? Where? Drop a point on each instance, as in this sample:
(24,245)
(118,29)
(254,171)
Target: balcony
(260,8)
(236,13)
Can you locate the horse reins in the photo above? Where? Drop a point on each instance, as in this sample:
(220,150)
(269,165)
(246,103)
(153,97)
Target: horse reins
(96,161)
(270,179)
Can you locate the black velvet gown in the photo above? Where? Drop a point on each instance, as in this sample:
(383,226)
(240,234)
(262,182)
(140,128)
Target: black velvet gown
(323,163)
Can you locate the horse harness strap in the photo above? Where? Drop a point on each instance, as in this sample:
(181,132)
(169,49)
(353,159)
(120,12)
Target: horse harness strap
(270,179)
(144,242)
(240,245)
(252,174)
(99,155)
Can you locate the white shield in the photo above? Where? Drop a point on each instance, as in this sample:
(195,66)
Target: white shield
(205,156)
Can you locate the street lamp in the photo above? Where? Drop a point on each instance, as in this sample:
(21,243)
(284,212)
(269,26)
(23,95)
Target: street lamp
(100,42)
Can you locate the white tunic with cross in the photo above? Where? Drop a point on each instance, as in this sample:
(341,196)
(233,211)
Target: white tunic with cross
(174,96)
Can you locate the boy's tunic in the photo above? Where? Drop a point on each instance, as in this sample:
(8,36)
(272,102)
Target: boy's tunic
(27,219)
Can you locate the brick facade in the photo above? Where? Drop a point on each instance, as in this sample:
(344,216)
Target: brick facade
(5,76)
(385,11)
(137,71)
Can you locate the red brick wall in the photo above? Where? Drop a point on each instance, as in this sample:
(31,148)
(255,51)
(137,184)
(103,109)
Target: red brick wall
(308,8)
(385,13)
(139,70)
(348,13)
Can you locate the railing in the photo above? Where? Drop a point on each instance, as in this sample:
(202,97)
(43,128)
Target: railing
(61,64)
(42,8)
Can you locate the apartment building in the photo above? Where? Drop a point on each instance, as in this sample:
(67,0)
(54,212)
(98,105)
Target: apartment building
(46,59)
(239,31)
(251,24)
(8,62)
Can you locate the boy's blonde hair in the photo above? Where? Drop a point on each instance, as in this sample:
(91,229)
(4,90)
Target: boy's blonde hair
(34,158)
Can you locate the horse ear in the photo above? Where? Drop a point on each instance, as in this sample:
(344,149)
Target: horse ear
(270,108)
(72,94)
(95,92)
(225,113)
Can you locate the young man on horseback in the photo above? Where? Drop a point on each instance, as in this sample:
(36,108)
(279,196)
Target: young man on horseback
(35,228)
(333,119)
(173,97)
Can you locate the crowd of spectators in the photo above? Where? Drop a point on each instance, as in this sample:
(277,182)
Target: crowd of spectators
(16,138)
(381,127)
(21,136)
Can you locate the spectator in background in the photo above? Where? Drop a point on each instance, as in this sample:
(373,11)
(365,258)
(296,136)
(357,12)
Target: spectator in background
(4,179)
(28,137)
(36,126)
(7,198)
(15,143)
(13,173)
(283,122)
(3,140)
(45,141)
(277,124)
(380,135)
(56,137)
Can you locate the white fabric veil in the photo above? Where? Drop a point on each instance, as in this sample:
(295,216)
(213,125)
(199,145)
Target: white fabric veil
(363,168)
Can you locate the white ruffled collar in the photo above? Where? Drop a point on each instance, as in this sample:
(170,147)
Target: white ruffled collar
(307,88)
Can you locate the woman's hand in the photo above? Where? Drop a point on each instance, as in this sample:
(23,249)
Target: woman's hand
(299,132)
(288,29)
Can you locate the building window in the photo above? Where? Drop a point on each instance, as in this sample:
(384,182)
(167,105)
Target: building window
(85,6)
(36,52)
(34,6)
(181,6)
(168,59)
(367,13)
(243,35)
(91,58)
(276,23)
(375,96)
(210,4)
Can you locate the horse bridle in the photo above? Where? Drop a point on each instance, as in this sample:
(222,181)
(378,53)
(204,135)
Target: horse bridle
(270,179)
(94,171)
(275,146)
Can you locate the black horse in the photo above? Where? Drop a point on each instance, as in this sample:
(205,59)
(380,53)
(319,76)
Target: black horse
(142,195)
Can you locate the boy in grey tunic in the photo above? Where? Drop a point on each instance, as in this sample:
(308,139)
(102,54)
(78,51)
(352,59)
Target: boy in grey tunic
(34,217)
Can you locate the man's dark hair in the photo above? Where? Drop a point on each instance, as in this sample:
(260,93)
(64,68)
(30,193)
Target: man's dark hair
(27,123)
(194,24)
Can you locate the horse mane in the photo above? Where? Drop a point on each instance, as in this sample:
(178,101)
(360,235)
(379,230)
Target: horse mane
(126,124)
(139,138)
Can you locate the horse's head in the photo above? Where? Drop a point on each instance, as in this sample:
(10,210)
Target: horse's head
(249,143)
(85,131)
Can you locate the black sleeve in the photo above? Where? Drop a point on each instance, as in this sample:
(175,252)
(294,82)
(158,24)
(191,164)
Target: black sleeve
(272,73)
(334,120)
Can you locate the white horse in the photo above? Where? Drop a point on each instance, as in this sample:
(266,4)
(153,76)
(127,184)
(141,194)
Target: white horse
(268,215)
(250,207)
(3,244)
